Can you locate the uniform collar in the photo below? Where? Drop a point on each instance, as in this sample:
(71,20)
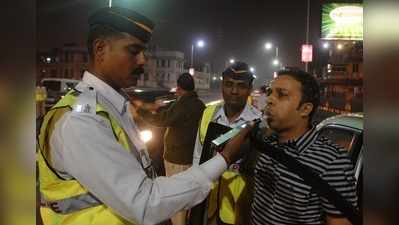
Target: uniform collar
(249,113)
(118,100)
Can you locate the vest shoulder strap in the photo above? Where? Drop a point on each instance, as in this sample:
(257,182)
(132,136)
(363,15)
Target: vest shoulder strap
(206,118)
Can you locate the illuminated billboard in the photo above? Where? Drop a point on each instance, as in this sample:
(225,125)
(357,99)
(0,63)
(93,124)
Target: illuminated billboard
(342,21)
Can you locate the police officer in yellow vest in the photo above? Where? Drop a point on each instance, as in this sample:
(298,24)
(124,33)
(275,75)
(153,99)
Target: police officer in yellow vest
(93,168)
(226,199)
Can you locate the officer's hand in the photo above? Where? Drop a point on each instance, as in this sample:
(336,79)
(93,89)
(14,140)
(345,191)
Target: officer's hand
(232,151)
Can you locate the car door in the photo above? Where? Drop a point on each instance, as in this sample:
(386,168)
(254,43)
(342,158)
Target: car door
(351,139)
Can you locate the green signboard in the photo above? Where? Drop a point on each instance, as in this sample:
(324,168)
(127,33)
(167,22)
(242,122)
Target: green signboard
(342,21)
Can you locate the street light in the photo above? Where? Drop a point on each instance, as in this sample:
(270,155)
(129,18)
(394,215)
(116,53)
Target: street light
(276,62)
(231,61)
(251,69)
(200,44)
(326,45)
(269,46)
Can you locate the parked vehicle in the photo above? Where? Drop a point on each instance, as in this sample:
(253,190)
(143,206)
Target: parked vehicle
(346,130)
(56,89)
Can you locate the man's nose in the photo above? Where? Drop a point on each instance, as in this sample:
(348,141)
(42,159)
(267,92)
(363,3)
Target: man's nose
(270,100)
(234,89)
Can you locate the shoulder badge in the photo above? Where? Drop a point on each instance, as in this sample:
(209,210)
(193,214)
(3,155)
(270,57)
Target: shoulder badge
(86,101)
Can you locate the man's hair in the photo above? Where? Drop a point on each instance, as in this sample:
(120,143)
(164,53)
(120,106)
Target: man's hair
(309,87)
(186,82)
(99,31)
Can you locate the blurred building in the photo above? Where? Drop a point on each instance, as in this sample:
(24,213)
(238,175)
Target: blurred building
(67,62)
(341,79)
(162,69)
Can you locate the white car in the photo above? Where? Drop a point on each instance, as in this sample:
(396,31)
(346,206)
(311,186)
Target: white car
(346,130)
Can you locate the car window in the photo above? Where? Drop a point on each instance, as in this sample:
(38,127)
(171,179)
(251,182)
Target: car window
(52,85)
(342,137)
(70,85)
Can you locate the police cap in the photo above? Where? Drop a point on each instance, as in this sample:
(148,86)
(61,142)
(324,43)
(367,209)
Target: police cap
(239,71)
(123,20)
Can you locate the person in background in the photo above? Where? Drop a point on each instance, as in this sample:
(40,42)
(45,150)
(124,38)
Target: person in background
(181,119)
(261,99)
(229,200)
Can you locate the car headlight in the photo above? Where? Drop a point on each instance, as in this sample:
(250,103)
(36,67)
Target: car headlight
(146,135)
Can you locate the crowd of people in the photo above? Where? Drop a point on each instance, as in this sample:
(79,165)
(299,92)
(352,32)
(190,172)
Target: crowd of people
(95,169)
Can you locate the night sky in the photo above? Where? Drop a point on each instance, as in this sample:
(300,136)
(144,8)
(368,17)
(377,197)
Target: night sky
(230,28)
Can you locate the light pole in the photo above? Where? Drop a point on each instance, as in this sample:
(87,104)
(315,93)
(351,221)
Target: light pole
(200,44)
(307,31)
(269,46)
(326,45)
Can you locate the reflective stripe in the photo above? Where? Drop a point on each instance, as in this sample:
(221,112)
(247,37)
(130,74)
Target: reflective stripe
(72,204)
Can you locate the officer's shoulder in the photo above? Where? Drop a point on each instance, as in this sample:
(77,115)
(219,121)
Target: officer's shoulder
(214,104)
(86,99)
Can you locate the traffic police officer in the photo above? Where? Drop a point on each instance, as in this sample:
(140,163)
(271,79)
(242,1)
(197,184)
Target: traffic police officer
(93,168)
(226,199)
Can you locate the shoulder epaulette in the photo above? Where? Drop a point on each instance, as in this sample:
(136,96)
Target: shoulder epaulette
(86,100)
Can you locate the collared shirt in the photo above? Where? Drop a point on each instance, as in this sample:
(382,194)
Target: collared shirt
(282,197)
(249,113)
(84,147)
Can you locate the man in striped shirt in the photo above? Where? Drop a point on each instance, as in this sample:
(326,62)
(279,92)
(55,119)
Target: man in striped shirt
(281,197)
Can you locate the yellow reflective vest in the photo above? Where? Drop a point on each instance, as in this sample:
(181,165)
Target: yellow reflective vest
(225,193)
(55,189)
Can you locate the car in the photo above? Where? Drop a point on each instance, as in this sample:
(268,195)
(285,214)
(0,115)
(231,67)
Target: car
(152,135)
(346,130)
(56,89)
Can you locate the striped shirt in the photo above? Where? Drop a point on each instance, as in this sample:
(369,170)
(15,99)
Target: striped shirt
(281,197)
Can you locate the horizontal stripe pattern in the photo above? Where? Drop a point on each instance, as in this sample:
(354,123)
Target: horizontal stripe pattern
(282,197)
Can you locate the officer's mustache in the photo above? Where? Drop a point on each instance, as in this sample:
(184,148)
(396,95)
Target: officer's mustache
(138,71)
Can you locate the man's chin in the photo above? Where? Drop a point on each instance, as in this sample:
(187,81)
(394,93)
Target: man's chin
(236,106)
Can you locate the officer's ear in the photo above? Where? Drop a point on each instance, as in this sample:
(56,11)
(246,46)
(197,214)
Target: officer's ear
(305,109)
(99,49)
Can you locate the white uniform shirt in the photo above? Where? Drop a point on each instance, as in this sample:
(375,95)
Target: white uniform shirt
(249,113)
(84,147)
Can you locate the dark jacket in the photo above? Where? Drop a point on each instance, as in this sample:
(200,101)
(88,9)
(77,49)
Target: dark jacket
(181,119)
